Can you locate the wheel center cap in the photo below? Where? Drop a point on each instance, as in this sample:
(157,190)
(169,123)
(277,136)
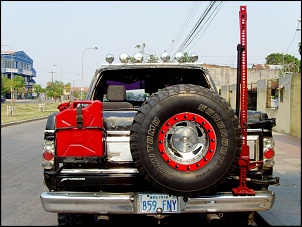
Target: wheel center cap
(184,139)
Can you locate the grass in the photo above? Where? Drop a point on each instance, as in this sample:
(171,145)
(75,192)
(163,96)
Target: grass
(25,111)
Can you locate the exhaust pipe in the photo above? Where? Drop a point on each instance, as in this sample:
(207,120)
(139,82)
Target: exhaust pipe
(213,220)
(102,218)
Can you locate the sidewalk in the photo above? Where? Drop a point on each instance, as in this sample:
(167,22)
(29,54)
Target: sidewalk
(287,208)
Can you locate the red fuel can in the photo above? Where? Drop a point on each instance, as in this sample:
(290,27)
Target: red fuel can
(80,131)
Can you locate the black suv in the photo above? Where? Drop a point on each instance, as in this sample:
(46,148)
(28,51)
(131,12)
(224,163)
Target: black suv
(155,139)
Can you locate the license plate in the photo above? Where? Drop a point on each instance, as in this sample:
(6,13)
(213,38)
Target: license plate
(149,203)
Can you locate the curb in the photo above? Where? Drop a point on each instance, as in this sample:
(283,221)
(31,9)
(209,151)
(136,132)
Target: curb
(21,122)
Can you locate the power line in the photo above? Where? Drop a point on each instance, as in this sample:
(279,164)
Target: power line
(185,23)
(297,29)
(196,30)
(216,11)
(195,27)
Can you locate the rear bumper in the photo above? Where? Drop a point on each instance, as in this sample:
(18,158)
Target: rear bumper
(128,203)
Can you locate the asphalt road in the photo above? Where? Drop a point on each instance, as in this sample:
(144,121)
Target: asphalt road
(22,176)
(287,208)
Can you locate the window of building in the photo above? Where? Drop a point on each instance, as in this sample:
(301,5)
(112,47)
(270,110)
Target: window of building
(281,95)
(272,93)
(3,64)
(252,97)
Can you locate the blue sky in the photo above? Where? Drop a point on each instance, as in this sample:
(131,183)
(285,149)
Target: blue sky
(58,32)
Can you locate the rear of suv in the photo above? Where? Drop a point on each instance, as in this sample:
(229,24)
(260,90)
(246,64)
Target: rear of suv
(155,139)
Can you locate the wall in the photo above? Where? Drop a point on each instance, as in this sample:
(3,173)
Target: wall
(295,110)
(282,118)
(288,113)
(225,75)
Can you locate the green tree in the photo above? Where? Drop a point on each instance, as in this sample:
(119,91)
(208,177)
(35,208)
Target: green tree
(151,58)
(141,47)
(55,90)
(289,62)
(67,90)
(186,57)
(12,85)
(39,90)
(5,88)
(67,87)
(76,93)
(19,84)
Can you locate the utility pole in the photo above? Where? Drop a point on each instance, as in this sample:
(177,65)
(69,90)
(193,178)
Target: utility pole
(82,89)
(299,29)
(61,71)
(52,76)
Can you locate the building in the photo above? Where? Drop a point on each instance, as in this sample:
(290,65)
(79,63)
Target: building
(18,63)
(271,89)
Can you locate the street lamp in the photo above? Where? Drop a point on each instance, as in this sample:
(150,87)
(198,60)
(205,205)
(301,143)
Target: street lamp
(61,71)
(92,48)
(11,73)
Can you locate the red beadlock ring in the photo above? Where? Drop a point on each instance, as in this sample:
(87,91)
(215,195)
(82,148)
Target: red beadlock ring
(197,119)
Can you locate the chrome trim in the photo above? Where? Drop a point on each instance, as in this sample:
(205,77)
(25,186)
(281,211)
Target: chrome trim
(253,143)
(128,203)
(98,171)
(118,149)
(119,133)
(258,130)
(118,139)
(49,131)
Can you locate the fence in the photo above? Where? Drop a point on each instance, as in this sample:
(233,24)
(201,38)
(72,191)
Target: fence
(11,110)
(41,107)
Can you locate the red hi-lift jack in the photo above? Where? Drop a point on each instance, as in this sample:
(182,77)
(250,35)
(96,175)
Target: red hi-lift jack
(244,160)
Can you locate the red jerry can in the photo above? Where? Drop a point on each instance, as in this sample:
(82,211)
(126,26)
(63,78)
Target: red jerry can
(80,131)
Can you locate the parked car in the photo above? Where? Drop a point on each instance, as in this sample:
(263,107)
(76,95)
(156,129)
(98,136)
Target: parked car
(3,99)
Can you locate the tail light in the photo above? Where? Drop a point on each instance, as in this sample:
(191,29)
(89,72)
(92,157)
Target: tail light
(48,154)
(268,152)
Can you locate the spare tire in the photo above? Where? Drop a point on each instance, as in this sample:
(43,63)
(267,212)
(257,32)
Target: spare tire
(185,140)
